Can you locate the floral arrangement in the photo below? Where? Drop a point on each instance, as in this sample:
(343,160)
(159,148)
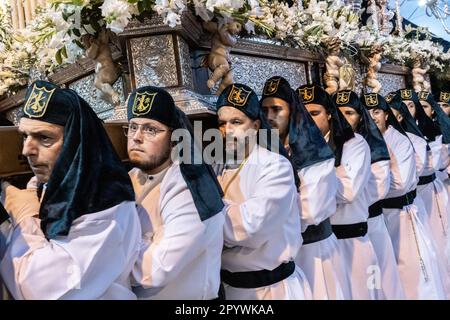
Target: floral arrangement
(55,35)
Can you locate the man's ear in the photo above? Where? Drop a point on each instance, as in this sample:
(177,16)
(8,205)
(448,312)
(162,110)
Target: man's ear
(256,124)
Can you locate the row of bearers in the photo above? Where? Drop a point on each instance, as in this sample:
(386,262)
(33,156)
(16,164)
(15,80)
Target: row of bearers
(352,204)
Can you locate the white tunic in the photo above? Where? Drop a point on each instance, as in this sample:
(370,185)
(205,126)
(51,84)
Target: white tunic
(180,254)
(262,224)
(321,260)
(377,189)
(435,202)
(415,254)
(93,261)
(357,253)
(444,168)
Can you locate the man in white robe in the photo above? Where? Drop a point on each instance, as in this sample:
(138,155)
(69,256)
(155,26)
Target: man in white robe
(262,222)
(181,216)
(379,185)
(430,189)
(319,255)
(80,238)
(412,240)
(442,98)
(350,221)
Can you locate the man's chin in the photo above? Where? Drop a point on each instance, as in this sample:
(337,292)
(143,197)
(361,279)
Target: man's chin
(41,178)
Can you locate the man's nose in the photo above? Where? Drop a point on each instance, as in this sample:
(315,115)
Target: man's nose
(29,147)
(138,136)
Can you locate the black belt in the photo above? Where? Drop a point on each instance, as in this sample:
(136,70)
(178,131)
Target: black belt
(399,202)
(346,231)
(375,209)
(426,179)
(317,233)
(257,279)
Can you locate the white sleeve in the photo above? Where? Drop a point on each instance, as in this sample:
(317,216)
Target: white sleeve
(318,186)
(354,171)
(436,151)
(403,167)
(379,181)
(420,150)
(82,265)
(274,197)
(173,246)
(445,158)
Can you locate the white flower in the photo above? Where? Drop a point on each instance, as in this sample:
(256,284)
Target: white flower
(172,19)
(250,27)
(117,14)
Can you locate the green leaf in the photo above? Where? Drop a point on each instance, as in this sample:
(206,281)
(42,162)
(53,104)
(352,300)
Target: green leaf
(76,32)
(64,52)
(140,6)
(58,56)
(79,44)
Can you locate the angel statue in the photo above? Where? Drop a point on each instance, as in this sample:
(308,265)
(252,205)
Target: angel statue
(106,70)
(218,60)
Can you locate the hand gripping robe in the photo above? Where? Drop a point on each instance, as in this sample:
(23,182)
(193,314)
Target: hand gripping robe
(262,221)
(319,257)
(377,190)
(350,221)
(86,240)
(413,245)
(182,218)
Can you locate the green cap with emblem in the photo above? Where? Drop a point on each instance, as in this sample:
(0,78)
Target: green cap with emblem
(152,103)
(47,102)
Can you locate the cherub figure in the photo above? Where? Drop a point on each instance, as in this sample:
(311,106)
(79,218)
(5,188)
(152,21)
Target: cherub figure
(218,60)
(106,71)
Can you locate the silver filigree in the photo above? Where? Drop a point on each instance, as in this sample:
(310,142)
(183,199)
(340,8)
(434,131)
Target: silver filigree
(154,61)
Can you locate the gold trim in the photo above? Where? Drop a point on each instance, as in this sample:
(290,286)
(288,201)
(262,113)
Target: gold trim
(235,98)
(146,100)
(371,99)
(343,97)
(36,109)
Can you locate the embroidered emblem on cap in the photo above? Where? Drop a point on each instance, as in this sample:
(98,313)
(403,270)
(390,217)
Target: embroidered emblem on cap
(307,94)
(343,97)
(371,99)
(406,94)
(238,96)
(389,97)
(271,86)
(444,96)
(423,95)
(37,102)
(143,103)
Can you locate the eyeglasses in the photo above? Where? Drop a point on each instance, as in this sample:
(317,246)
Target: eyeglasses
(148,131)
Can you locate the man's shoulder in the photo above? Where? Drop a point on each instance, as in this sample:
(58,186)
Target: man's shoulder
(173,181)
(357,141)
(265,157)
